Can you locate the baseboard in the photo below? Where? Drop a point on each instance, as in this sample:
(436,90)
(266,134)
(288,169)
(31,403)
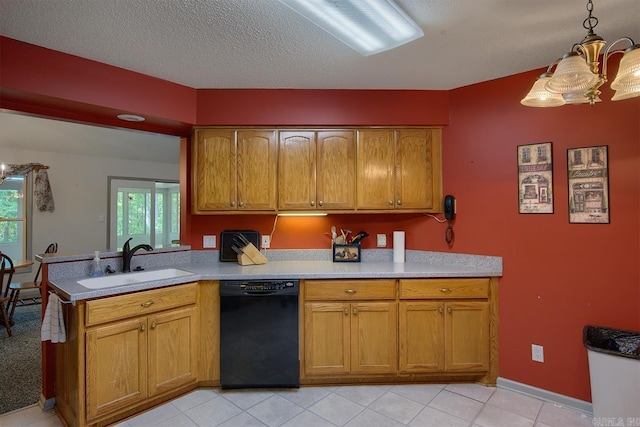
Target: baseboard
(547,396)
(46,404)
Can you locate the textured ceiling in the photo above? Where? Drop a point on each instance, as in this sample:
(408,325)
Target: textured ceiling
(263,44)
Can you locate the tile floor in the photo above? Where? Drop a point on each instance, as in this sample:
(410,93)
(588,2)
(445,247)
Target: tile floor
(430,405)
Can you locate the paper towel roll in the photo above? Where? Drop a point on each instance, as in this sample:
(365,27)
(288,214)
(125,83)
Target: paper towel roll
(398,246)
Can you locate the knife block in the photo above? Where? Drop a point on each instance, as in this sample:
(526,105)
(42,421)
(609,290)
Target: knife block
(250,255)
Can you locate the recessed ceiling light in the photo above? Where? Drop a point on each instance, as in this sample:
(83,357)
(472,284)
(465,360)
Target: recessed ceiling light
(130,118)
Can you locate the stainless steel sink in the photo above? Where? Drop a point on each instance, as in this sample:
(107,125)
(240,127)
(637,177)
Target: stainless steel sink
(132,278)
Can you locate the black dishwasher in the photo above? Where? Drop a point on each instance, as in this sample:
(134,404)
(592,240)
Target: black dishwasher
(259,341)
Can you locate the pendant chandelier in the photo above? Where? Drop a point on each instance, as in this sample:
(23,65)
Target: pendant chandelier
(578,75)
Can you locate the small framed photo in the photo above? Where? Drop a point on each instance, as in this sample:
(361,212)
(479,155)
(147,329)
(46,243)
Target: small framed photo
(535,179)
(588,176)
(346,253)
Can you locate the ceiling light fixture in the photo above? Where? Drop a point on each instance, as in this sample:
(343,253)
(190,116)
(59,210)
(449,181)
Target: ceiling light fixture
(577,78)
(368,26)
(130,118)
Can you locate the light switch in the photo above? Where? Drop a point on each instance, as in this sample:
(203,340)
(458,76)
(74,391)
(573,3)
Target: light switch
(382,240)
(208,241)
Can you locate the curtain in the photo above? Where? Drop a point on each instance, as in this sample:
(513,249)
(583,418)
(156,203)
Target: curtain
(42,195)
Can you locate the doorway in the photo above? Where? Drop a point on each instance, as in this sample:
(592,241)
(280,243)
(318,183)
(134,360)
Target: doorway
(147,210)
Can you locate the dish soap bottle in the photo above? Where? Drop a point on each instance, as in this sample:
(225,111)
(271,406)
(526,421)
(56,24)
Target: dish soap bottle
(95,267)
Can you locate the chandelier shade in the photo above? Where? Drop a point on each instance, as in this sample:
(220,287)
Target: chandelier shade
(579,74)
(538,96)
(572,75)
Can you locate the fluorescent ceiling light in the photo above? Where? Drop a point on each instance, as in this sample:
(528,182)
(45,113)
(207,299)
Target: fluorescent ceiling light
(368,26)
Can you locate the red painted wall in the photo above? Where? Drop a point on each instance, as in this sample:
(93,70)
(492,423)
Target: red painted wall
(558,276)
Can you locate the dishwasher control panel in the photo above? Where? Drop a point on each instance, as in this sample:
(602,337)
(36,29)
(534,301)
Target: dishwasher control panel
(233,287)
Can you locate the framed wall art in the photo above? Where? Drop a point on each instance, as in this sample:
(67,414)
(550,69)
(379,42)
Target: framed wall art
(588,176)
(535,179)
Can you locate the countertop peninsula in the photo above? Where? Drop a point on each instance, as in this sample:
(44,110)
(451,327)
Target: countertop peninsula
(65,272)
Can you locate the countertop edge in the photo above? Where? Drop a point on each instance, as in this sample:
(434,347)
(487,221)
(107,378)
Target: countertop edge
(71,291)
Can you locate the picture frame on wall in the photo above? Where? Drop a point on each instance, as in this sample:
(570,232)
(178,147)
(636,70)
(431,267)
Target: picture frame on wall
(535,178)
(588,181)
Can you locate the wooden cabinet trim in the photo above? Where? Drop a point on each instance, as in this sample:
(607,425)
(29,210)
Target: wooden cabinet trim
(139,303)
(349,290)
(443,288)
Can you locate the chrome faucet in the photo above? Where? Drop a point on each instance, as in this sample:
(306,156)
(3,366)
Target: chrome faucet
(127,254)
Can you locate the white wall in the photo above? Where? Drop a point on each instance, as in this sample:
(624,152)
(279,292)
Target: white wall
(80,187)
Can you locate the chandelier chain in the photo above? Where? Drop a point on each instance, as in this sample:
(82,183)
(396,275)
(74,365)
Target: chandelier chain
(591,21)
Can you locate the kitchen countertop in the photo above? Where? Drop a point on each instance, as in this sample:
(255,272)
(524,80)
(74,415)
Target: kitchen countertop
(432,265)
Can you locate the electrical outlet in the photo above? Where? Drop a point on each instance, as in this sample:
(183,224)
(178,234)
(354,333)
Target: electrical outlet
(208,241)
(537,353)
(382,240)
(266,242)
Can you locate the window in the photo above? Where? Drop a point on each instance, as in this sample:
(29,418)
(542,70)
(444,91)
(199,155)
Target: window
(132,213)
(14,217)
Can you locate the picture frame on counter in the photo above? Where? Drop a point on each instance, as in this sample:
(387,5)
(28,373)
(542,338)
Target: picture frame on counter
(588,181)
(346,253)
(535,178)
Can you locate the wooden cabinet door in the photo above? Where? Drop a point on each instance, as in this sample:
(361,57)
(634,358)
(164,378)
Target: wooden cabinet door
(421,329)
(297,171)
(374,337)
(116,366)
(336,170)
(327,338)
(415,175)
(376,169)
(256,169)
(172,356)
(467,336)
(214,170)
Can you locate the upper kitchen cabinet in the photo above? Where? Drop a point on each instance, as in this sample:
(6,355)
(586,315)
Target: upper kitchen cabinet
(234,170)
(399,169)
(317,170)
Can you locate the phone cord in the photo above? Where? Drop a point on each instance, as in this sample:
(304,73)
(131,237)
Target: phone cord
(449,235)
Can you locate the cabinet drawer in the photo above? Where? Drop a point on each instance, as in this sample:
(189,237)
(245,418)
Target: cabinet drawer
(345,290)
(139,303)
(444,288)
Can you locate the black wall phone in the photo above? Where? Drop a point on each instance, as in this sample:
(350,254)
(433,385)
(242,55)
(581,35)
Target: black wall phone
(449,207)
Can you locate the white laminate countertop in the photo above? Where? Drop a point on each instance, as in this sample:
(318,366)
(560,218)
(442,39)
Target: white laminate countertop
(439,266)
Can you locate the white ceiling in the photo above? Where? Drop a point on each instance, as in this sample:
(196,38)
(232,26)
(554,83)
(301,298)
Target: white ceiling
(263,44)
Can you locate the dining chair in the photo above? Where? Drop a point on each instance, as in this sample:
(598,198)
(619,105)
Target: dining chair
(16,287)
(6,274)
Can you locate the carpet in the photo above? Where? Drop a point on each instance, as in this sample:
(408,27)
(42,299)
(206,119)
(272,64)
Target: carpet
(20,360)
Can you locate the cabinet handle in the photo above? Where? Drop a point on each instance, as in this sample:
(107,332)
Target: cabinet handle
(445,290)
(313,203)
(399,202)
(390,202)
(449,310)
(143,327)
(355,311)
(440,310)
(320,203)
(241,204)
(232,204)
(146,304)
(153,325)
(350,291)
(346,311)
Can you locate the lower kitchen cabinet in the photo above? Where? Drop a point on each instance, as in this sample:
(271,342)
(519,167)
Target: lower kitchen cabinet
(126,353)
(444,336)
(400,331)
(350,338)
(345,337)
(131,360)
